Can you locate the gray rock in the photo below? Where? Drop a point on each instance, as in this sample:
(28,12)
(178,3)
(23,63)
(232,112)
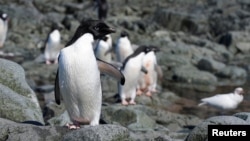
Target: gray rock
(199,133)
(128,117)
(240,41)
(60,120)
(210,65)
(233,73)
(190,74)
(6,121)
(18,101)
(177,20)
(243,115)
(150,135)
(26,132)
(98,133)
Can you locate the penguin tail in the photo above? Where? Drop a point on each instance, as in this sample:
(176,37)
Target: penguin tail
(202,103)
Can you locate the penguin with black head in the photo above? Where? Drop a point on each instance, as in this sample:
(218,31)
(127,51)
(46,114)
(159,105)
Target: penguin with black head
(78,75)
(123,47)
(132,66)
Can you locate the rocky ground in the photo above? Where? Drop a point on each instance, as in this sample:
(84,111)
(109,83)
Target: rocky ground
(204,50)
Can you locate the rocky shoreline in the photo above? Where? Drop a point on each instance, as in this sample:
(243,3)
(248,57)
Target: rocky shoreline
(204,50)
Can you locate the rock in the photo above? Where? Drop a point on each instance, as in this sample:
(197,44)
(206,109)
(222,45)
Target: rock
(150,135)
(175,122)
(6,121)
(176,20)
(127,116)
(18,101)
(98,133)
(240,42)
(243,115)
(60,120)
(233,73)
(210,65)
(243,47)
(190,74)
(26,132)
(199,133)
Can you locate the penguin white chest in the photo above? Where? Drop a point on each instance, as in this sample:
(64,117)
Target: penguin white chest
(132,72)
(3,31)
(124,49)
(103,47)
(79,80)
(53,46)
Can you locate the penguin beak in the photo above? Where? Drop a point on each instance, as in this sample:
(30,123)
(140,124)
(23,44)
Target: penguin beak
(110,30)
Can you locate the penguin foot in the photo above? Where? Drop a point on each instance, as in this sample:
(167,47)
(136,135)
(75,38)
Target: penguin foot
(48,62)
(154,91)
(124,102)
(149,94)
(72,126)
(139,92)
(132,102)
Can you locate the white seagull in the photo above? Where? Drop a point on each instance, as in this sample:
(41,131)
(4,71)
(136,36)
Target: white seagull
(224,101)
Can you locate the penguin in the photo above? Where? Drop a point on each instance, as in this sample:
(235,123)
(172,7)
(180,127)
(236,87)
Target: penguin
(3,27)
(148,82)
(123,47)
(52,45)
(132,66)
(102,9)
(102,48)
(78,74)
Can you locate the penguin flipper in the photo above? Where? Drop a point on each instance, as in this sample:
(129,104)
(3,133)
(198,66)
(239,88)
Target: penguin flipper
(110,70)
(57,90)
(158,69)
(144,70)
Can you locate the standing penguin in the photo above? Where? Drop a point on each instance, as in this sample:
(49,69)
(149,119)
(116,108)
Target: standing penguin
(132,66)
(53,45)
(3,27)
(102,48)
(123,47)
(102,9)
(148,82)
(78,75)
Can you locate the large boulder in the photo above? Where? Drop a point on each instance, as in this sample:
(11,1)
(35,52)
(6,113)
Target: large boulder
(98,133)
(18,101)
(27,132)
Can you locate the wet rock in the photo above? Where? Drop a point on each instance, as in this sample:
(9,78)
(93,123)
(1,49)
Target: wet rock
(18,101)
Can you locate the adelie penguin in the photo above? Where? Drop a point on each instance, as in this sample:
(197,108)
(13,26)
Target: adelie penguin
(123,47)
(102,49)
(3,27)
(103,7)
(148,82)
(132,66)
(52,45)
(78,75)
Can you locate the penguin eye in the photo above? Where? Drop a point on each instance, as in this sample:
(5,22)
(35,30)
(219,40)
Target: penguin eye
(96,28)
